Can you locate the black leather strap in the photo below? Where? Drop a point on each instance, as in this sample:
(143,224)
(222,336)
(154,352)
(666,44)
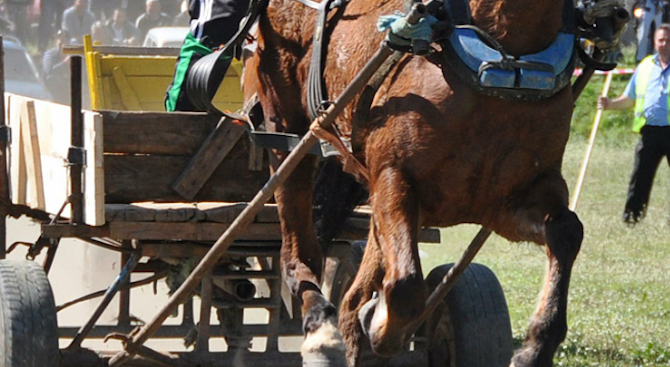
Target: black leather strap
(206,74)
(316,88)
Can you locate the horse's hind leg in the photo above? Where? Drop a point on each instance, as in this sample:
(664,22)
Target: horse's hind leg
(302,262)
(548,328)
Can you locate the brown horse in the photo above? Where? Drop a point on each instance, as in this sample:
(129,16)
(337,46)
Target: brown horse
(438,154)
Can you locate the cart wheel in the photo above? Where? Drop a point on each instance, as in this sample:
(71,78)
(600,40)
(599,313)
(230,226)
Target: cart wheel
(28,326)
(338,276)
(471,328)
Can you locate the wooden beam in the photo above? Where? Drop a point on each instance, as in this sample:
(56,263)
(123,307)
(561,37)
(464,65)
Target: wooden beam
(124,50)
(18,163)
(212,152)
(138,178)
(94,172)
(33,154)
(186,212)
(156,133)
(190,231)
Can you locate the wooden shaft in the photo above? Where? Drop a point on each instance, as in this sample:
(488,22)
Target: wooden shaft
(76,141)
(113,289)
(247,216)
(589,147)
(202,343)
(4,174)
(449,280)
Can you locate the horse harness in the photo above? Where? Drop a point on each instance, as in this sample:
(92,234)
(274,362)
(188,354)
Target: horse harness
(476,57)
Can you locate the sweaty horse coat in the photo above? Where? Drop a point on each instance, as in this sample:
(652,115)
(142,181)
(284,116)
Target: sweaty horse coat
(438,154)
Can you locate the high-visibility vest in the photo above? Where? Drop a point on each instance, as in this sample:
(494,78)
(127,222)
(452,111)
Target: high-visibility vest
(641,82)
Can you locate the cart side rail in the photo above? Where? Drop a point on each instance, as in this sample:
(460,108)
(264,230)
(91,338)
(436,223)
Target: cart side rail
(39,147)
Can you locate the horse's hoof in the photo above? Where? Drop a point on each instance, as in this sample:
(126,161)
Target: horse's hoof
(324,348)
(366,313)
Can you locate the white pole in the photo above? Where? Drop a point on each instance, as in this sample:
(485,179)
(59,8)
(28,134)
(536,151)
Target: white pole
(589,148)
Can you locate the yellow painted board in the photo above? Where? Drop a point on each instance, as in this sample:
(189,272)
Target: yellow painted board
(128,96)
(139,66)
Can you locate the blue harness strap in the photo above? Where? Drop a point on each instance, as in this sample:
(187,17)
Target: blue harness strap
(489,70)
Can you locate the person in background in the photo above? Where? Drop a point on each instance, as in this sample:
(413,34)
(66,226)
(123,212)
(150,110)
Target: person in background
(51,14)
(651,14)
(133,8)
(6,25)
(184,18)
(121,30)
(170,7)
(78,21)
(100,34)
(18,13)
(55,69)
(647,92)
(103,9)
(152,18)
(213,23)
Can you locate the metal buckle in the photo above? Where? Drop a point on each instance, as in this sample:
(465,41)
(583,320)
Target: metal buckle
(5,134)
(76,155)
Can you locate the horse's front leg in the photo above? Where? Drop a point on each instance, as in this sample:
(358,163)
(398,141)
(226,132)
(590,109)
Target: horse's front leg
(548,328)
(302,265)
(391,268)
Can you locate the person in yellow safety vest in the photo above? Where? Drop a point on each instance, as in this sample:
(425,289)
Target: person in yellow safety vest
(647,92)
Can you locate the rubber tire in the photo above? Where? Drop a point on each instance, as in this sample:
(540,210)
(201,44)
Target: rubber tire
(28,324)
(471,328)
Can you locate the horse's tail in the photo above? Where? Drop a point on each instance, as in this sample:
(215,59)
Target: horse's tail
(336,194)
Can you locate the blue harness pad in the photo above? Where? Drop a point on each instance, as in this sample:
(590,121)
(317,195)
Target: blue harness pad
(482,59)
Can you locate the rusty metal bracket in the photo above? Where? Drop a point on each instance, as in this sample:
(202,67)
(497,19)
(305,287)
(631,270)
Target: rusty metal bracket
(76,156)
(5,134)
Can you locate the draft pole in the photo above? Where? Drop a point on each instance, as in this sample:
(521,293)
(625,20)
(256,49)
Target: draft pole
(589,147)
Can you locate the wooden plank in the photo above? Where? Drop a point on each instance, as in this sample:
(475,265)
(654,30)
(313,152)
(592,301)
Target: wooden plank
(149,178)
(124,50)
(19,175)
(151,88)
(212,152)
(190,231)
(156,133)
(108,100)
(53,140)
(175,212)
(53,124)
(94,77)
(153,66)
(128,96)
(256,158)
(139,66)
(33,155)
(94,174)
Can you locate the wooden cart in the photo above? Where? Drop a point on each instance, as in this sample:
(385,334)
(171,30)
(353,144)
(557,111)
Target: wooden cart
(158,189)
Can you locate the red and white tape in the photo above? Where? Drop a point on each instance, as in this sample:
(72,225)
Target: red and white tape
(619,71)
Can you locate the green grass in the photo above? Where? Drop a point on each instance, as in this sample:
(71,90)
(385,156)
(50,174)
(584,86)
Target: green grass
(619,312)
